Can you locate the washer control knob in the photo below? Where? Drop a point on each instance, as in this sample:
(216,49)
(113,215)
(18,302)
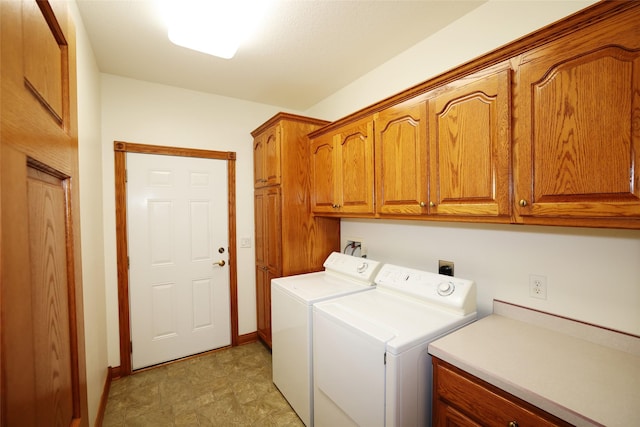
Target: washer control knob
(445,288)
(362,267)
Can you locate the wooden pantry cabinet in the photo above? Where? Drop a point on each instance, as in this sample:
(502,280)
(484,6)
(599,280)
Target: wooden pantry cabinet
(342,170)
(577,127)
(288,240)
(463,400)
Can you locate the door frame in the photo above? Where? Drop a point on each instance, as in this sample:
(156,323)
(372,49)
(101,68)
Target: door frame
(121,148)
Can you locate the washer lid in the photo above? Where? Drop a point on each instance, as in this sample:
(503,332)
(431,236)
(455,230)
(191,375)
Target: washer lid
(314,287)
(380,314)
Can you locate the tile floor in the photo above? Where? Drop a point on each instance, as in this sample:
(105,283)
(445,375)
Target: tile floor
(231,387)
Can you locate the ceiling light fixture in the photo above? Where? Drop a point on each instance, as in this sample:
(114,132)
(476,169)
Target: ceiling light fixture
(214,27)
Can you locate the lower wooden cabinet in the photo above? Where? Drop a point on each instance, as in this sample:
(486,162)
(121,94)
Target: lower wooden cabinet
(461,399)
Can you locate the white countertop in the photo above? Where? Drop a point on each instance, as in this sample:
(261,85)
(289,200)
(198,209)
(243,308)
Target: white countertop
(581,373)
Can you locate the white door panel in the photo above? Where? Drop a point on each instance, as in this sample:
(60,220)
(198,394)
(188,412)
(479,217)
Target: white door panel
(179,294)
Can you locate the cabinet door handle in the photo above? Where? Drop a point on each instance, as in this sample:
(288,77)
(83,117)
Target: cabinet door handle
(423,204)
(431,204)
(512,424)
(523,203)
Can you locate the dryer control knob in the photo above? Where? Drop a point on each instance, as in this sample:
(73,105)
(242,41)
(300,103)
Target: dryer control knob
(445,288)
(362,267)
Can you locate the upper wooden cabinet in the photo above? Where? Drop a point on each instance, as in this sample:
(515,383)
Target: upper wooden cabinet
(578,128)
(544,130)
(470,147)
(401,158)
(342,170)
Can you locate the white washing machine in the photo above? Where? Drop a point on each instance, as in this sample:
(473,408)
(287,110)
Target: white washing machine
(371,365)
(292,300)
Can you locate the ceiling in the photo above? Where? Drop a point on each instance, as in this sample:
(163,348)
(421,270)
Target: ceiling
(304,52)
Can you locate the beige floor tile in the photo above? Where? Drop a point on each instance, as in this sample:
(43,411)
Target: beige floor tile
(231,387)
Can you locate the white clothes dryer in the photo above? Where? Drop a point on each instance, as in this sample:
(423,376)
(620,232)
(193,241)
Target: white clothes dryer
(292,299)
(371,365)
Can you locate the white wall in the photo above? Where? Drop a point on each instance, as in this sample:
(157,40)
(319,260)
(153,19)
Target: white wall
(148,113)
(91,227)
(593,274)
(485,28)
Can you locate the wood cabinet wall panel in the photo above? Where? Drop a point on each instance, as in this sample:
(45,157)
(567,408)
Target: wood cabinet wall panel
(42,353)
(401,159)
(470,148)
(45,60)
(50,299)
(581,138)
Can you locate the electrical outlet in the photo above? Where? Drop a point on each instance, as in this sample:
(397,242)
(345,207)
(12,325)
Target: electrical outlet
(538,286)
(445,267)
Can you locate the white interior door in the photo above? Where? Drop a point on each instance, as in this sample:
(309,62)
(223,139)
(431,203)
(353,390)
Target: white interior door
(178,256)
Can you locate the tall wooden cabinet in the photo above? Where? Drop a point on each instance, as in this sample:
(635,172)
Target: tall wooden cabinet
(288,239)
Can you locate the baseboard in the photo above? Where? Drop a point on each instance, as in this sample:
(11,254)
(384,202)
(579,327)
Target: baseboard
(105,394)
(114,373)
(248,338)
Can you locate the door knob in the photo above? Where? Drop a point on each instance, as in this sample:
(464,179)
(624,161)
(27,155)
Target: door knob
(221,263)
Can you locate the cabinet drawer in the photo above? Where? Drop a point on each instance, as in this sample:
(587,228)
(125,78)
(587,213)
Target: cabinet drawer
(487,404)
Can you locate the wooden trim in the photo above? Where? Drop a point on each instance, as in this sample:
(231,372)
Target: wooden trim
(103,399)
(575,22)
(233,259)
(248,338)
(120,150)
(290,117)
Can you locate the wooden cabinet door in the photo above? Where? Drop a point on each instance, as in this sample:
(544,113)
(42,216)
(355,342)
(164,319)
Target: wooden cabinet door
(470,149)
(401,158)
(259,161)
(577,130)
(266,158)
(263,303)
(272,157)
(324,175)
(355,167)
(259,204)
(273,221)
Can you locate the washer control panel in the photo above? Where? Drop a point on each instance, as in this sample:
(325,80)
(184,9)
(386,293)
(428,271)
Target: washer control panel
(352,266)
(450,293)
